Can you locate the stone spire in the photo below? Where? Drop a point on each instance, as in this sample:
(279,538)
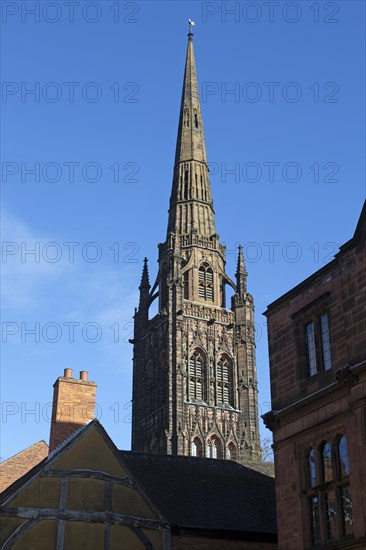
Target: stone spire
(144,286)
(241,273)
(191,206)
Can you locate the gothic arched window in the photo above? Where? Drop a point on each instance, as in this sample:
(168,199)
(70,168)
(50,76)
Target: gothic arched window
(231,451)
(196,447)
(213,448)
(328,491)
(195,376)
(224,381)
(205,283)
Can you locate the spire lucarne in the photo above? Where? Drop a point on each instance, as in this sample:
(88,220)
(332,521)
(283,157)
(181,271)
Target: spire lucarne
(194,370)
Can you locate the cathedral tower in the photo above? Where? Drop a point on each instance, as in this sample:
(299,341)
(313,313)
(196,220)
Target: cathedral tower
(194,370)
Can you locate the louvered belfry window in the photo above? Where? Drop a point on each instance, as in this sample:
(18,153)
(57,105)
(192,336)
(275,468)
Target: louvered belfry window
(224,377)
(195,386)
(205,283)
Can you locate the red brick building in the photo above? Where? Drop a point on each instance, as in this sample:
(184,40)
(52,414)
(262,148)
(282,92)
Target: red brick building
(16,466)
(317,348)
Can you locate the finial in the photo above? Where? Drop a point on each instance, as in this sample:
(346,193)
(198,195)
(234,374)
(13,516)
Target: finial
(241,264)
(241,273)
(191,24)
(145,277)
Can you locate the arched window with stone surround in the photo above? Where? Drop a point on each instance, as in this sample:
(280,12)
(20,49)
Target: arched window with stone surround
(224,379)
(196,447)
(196,377)
(213,448)
(206,283)
(328,492)
(231,451)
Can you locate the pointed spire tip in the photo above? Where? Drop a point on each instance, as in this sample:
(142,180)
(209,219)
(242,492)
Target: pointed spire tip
(145,276)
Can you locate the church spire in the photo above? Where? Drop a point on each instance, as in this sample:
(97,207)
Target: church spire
(194,377)
(191,206)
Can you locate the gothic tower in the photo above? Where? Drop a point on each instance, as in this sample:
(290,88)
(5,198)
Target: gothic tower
(194,370)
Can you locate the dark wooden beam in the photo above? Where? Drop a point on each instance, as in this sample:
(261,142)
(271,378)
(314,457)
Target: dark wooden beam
(81,515)
(93,474)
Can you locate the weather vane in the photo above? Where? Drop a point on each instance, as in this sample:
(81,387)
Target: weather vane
(191,24)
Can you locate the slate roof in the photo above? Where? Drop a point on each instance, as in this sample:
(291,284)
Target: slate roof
(192,492)
(204,493)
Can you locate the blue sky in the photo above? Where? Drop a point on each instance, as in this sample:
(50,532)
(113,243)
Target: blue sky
(99,133)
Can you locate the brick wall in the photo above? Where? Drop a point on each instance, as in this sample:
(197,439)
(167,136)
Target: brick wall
(73,405)
(15,467)
(309,409)
(339,289)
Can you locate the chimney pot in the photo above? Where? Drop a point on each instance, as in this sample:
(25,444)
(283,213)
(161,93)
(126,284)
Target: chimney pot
(68,373)
(84,375)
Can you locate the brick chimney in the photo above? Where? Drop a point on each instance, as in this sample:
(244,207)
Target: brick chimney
(73,405)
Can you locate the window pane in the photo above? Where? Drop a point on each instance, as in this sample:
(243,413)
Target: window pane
(327,462)
(193,449)
(347,510)
(310,345)
(231,452)
(314,520)
(324,329)
(312,468)
(208,450)
(343,456)
(330,508)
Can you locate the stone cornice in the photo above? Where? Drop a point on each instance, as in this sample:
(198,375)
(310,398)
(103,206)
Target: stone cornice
(345,377)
